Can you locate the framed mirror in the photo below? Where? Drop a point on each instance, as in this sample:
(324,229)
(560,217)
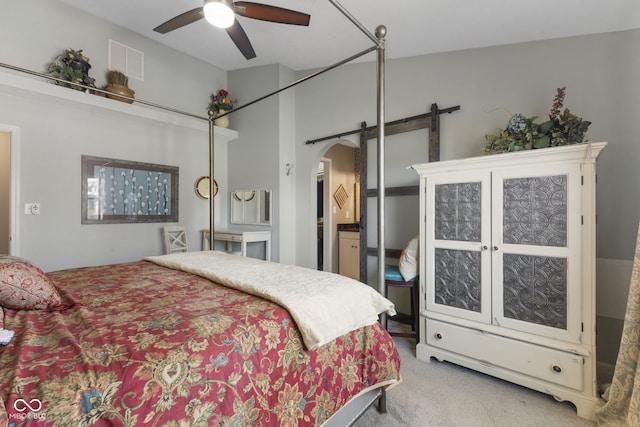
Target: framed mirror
(202,187)
(251,206)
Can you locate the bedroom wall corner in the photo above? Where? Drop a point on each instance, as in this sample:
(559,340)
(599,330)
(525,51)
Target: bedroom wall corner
(254,157)
(287,147)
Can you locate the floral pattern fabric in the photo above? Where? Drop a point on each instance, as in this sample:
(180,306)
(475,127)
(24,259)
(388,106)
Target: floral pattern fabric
(622,407)
(145,345)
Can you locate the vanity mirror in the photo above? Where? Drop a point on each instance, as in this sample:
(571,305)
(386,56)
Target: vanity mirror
(252,206)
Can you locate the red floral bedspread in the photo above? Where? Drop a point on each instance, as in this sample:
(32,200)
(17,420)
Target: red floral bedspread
(146,345)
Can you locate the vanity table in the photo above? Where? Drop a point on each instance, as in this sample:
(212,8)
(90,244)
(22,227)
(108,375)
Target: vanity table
(239,236)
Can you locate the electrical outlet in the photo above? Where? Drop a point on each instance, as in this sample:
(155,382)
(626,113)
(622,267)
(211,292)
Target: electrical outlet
(32,208)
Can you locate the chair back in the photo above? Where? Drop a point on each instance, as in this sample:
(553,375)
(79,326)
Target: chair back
(175,239)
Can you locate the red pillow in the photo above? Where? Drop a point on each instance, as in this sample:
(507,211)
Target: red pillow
(23,286)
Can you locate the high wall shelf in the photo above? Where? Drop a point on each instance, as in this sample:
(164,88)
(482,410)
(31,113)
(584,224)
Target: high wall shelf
(13,83)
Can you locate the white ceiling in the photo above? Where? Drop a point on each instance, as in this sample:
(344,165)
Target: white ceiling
(414,27)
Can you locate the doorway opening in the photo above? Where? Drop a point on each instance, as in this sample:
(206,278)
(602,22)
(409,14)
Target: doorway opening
(323,215)
(8,189)
(337,168)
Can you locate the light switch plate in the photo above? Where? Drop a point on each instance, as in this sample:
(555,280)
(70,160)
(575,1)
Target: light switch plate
(32,208)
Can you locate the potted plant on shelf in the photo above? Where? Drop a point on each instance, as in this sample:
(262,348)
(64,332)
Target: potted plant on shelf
(118,84)
(220,103)
(523,133)
(72,66)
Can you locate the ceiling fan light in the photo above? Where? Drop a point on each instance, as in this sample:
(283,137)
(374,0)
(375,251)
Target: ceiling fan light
(219,13)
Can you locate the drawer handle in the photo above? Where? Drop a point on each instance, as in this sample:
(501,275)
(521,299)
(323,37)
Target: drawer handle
(438,335)
(556,368)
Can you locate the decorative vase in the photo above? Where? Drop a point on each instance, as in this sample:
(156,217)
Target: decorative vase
(222,122)
(119,90)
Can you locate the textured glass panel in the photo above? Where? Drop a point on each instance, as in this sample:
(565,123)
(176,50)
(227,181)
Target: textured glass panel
(535,211)
(535,289)
(457,279)
(457,208)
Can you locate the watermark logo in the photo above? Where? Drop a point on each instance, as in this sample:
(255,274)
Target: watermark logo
(28,410)
(21,405)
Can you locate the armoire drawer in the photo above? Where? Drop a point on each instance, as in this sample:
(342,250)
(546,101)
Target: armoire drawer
(544,363)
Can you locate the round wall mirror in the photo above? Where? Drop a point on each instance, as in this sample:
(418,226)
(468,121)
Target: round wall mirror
(202,187)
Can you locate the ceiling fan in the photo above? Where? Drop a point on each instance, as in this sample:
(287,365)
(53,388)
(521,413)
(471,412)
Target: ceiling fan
(221,13)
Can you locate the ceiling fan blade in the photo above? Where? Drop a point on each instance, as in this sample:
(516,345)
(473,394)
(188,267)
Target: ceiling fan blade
(180,21)
(265,12)
(239,37)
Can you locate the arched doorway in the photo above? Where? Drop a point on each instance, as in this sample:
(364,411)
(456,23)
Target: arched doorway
(337,167)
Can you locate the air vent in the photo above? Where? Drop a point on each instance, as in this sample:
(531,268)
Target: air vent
(126,59)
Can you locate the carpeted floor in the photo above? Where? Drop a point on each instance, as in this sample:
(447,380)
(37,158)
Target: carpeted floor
(442,394)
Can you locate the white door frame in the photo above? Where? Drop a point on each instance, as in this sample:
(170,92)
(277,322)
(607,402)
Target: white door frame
(327,218)
(14,182)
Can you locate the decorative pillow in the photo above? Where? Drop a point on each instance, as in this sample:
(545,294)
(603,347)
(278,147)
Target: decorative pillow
(408,264)
(23,286)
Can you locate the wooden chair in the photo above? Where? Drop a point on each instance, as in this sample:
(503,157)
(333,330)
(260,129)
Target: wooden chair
(175,239)
(393,278)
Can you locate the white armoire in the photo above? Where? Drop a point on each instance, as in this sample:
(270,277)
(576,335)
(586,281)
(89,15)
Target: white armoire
(507,268)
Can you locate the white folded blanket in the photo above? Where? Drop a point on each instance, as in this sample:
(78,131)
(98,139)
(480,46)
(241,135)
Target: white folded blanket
(323,305)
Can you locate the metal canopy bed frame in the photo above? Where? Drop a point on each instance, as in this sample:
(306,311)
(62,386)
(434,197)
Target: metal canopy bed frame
(352,411)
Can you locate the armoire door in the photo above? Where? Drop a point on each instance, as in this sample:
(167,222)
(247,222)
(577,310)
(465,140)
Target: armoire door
(458,220)
(536,250)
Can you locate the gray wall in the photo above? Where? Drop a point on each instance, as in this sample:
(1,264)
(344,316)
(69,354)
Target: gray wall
(599,71)
(54,133)
(287,154)
(265,145)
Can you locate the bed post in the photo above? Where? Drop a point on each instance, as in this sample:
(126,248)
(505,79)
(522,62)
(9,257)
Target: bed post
(378,39)
(381,32)
(382,401)
(211,175)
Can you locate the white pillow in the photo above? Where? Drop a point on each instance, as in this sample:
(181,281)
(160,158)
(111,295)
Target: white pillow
(408,264)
